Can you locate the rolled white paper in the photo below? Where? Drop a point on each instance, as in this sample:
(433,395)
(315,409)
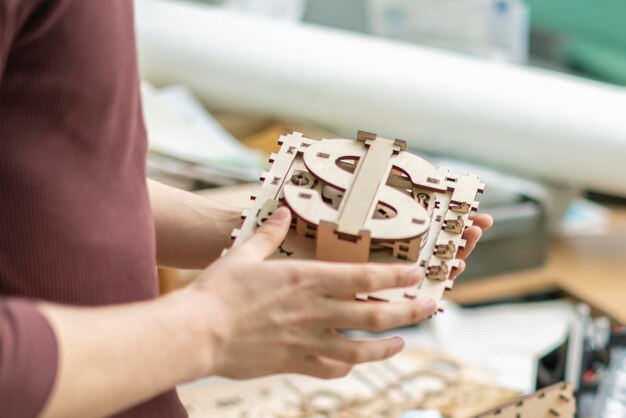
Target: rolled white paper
(548,125)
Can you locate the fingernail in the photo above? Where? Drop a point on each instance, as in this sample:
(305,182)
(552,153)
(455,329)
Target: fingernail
(280,215)
(414,275)
(399,344)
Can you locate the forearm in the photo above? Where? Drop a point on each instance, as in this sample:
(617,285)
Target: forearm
(191,230)
(112,358)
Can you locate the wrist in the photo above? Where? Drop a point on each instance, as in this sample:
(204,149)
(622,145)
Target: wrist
(198,324)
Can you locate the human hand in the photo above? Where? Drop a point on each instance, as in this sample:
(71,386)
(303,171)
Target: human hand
(472,235)
(270,317)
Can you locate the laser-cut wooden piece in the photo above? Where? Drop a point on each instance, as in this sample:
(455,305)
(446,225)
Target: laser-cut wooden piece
(555,401)
(412,380)
(367,200)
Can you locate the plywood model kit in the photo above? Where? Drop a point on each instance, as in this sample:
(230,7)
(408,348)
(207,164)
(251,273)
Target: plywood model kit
(414,379)
(364,200)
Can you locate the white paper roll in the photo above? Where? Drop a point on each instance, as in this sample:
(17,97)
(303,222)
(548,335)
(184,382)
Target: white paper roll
(556,127)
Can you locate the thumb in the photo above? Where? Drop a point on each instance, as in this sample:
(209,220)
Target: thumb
(267,238)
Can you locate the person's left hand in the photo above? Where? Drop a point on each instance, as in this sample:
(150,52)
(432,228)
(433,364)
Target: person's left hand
(482,222)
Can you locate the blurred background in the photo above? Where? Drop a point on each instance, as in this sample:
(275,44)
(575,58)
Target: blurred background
(527,94)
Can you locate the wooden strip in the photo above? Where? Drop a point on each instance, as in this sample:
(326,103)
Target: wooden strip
(371,173)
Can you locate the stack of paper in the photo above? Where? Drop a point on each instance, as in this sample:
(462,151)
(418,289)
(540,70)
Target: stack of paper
(186,140)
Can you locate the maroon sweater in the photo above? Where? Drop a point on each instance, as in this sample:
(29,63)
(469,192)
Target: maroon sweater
(75,220)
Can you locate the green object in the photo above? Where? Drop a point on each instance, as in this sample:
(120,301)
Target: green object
(603,22)
(595,31)
(606,63)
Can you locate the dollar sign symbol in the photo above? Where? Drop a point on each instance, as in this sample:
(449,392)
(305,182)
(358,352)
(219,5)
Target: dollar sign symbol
(345,233)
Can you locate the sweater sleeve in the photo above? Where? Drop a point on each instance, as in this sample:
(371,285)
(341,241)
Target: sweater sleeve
(28,347)
(28,359)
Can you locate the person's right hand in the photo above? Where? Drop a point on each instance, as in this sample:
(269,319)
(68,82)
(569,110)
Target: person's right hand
(267,317)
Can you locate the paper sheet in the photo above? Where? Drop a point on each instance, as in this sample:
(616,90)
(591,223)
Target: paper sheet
(180,128)
(505,340)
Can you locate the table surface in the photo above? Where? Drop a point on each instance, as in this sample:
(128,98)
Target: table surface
(591,269)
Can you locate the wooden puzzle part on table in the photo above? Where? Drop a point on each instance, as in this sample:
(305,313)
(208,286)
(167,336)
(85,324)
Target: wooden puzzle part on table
(551,402)
(414,379)
(367,200)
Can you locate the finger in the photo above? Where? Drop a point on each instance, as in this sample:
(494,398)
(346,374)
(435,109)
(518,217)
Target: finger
(460,269)
(323,368)
(266,239)
(343,279)
(375,317)
(340,348)
(471,235)
(483,221)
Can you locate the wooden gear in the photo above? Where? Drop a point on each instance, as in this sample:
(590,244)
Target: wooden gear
(367,200)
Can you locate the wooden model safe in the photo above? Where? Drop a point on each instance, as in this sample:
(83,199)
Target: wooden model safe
(367,200)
